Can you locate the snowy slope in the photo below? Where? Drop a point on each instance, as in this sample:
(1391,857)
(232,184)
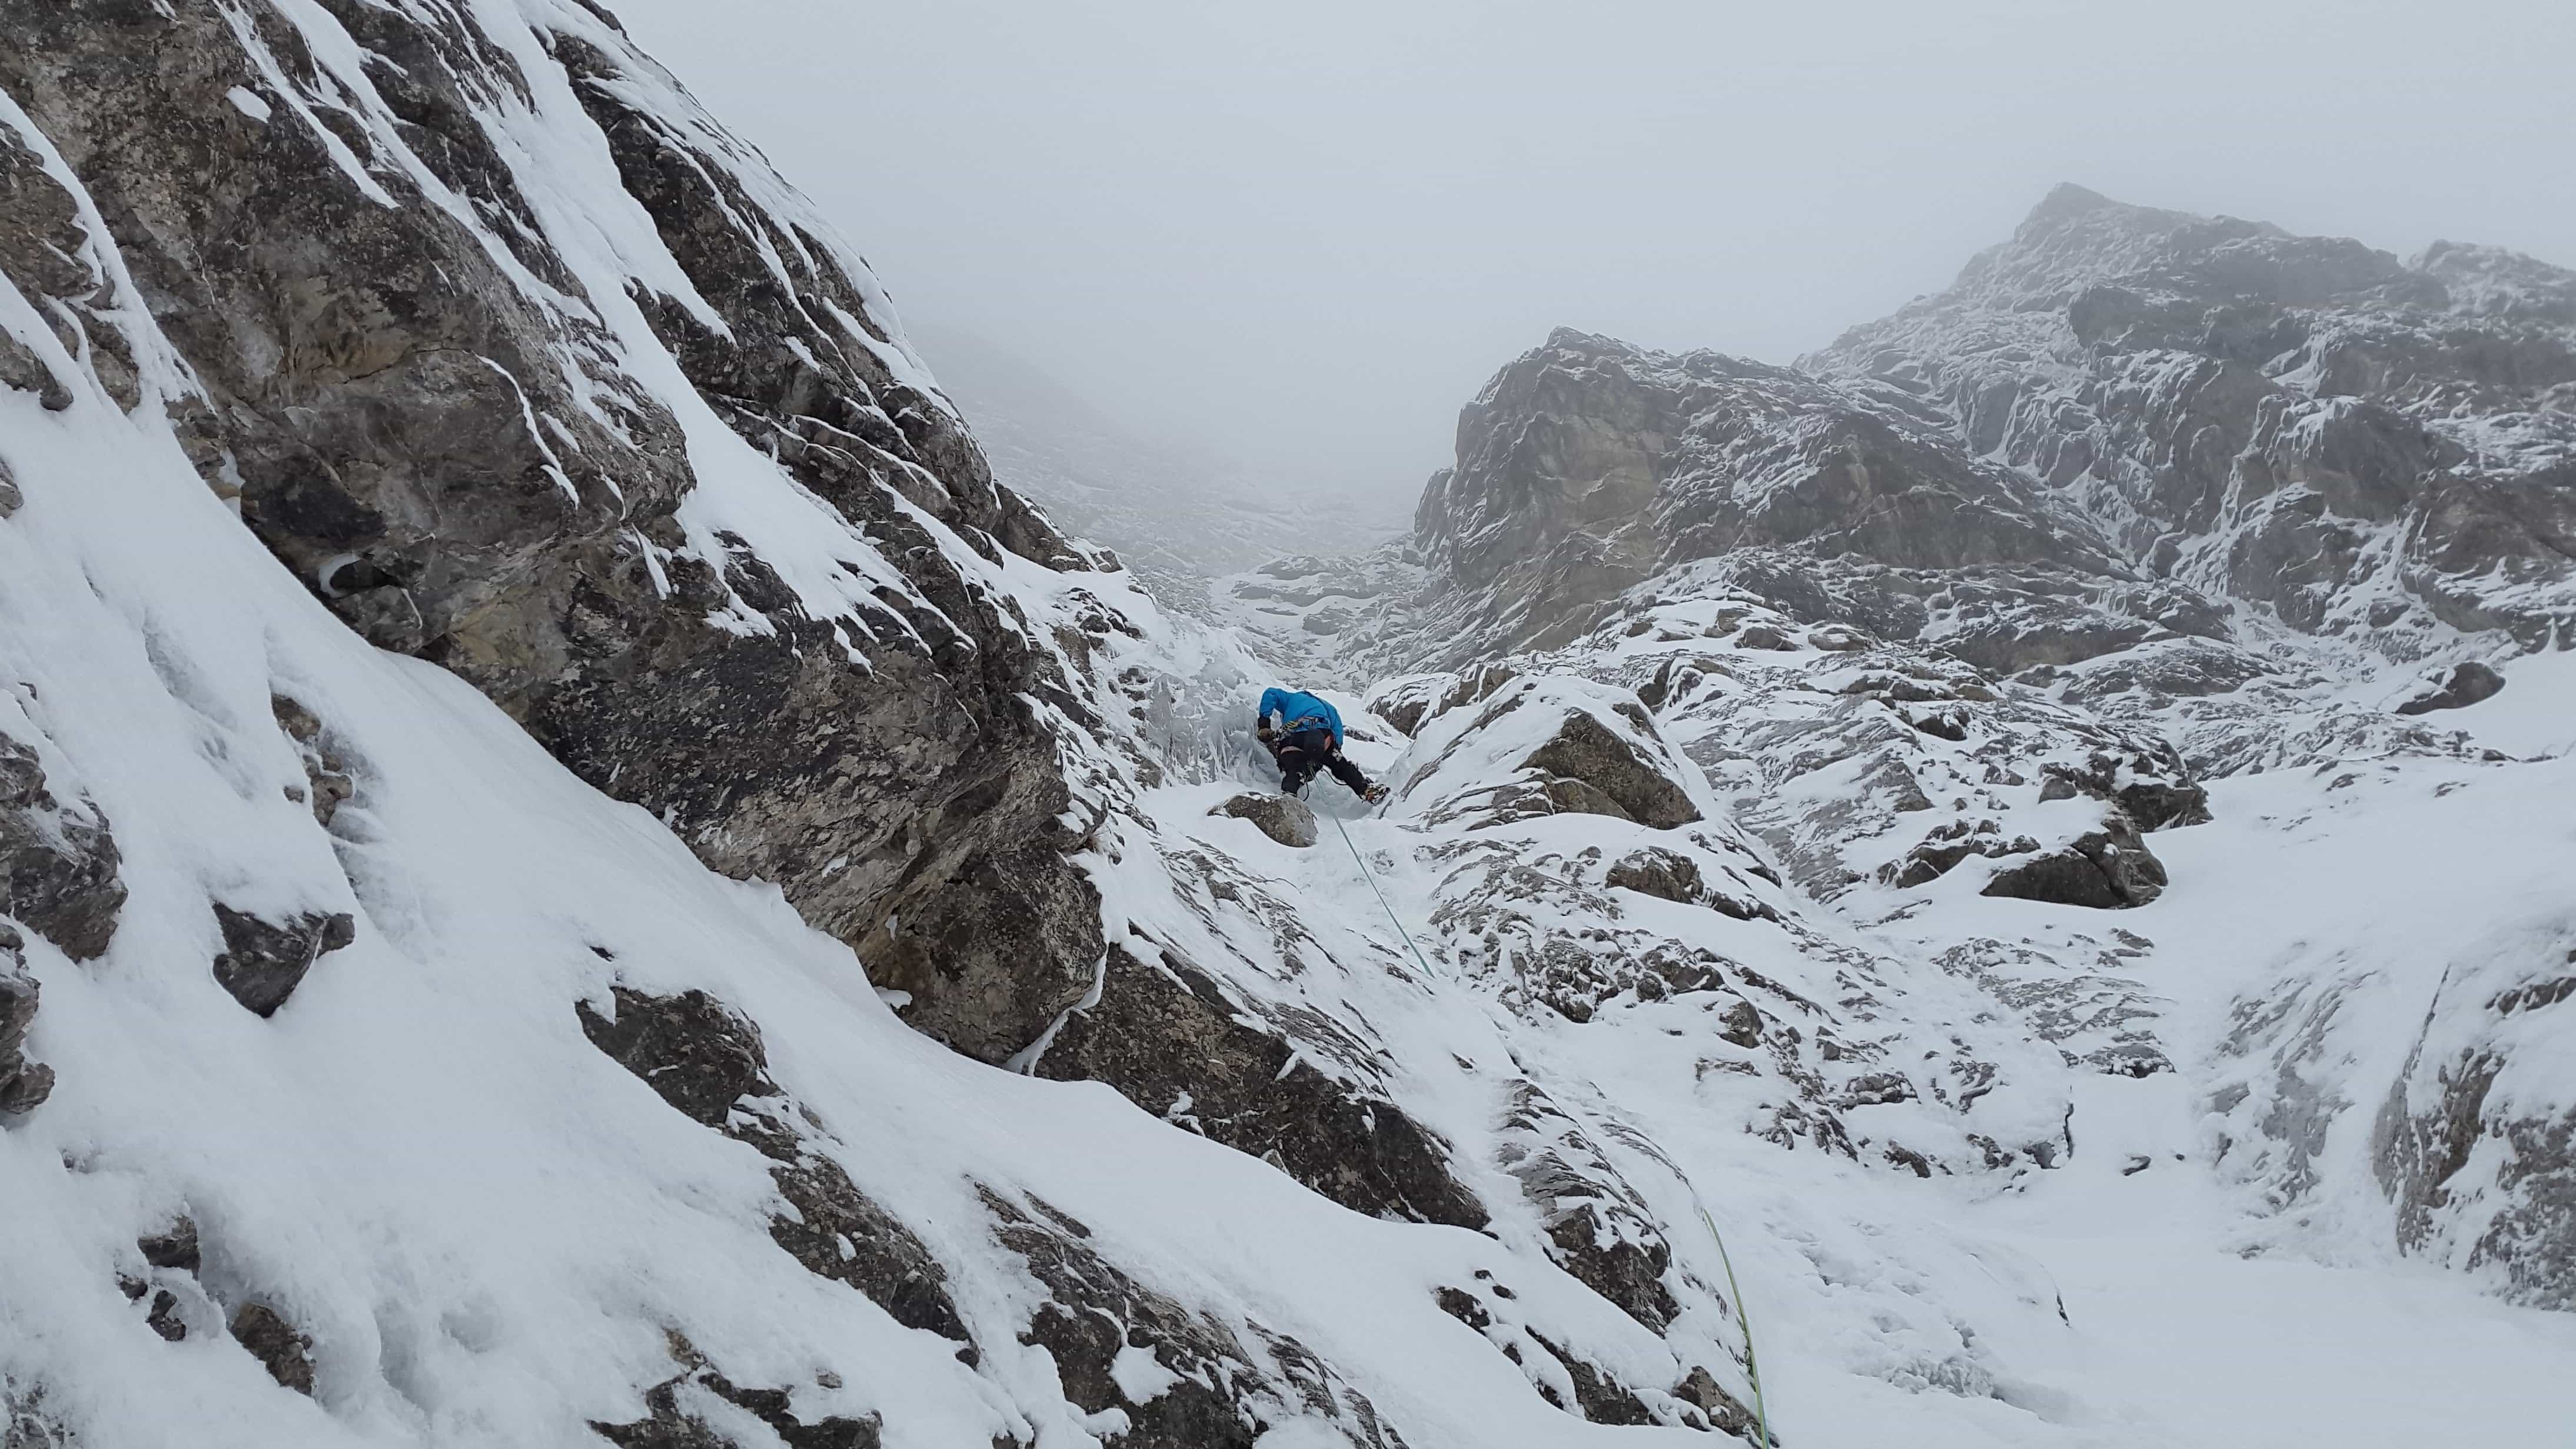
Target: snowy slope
(578,873)
(372,1076)
(2167,892)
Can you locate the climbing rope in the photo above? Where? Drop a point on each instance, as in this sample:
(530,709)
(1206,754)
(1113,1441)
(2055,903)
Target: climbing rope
(1752,1362)
(1367,875)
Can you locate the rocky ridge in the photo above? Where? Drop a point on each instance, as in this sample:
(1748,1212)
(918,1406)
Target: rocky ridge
(1984,598)
(483,345)
(488,350)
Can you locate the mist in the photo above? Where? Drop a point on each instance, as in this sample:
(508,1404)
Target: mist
(1299,238)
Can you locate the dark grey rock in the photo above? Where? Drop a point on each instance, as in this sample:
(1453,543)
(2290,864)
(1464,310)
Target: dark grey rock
(1167,1036)
(329,781)
(2281,402)
(264,961)
(707,1061)
(1283,818)
(2468,684)
(1598,1228)
(692,1050)
(2153,787)
(58,861)
(1587,465)
(1599,1396)
(2107,869)
(1655,871)
(1726,1413)
(2443,1108)
(1587,752)
(1228,1391)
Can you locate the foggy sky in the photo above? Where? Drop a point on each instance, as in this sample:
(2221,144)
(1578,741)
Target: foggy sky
(1304,234)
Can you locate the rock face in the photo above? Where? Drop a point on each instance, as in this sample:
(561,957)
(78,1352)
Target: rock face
(453,418)
(1176,1044)
(1210,1389)
(1726,687)
(2474,1144)
(708,1062)
(2368,447)
(1971,604)
(58,862)
(1284,818)
(1545,746)
(1589,466)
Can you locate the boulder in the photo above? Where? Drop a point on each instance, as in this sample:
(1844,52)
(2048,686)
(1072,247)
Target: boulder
(1284,818)
(2466,685)
(1584,749)
(2107,869)
(263,962)
(1655,871)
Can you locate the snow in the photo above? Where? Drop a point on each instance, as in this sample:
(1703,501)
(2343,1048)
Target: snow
(489,1228)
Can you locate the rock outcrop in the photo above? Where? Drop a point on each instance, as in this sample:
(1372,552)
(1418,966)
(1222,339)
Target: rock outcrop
(1284,818)
(1175,1044)
(58,860)
(455,414)
(24,1083)
(2476,1142)
(2468,684)
(707,1061)
(264,961)
(2365,446)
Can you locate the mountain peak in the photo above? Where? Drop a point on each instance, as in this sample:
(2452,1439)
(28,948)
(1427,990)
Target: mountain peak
(2067,199)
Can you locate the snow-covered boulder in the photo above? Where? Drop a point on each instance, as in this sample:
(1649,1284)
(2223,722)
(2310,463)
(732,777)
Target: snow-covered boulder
(1284,818)
(2468,683)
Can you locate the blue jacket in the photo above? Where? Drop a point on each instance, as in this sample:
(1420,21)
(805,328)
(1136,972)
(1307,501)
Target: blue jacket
(1300,711)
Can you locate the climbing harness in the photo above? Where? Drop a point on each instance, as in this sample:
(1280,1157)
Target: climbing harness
(1752,1361)
(1366,875)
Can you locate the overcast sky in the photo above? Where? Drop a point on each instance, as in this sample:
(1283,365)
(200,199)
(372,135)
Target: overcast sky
(1305,233)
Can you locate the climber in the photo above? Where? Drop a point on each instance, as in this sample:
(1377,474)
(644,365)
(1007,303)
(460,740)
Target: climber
(1308,738)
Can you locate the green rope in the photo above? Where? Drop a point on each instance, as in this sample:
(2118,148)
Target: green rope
(1366,875)
(1752,1364)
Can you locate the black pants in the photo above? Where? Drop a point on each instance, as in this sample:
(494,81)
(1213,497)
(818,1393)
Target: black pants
(1303,753)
